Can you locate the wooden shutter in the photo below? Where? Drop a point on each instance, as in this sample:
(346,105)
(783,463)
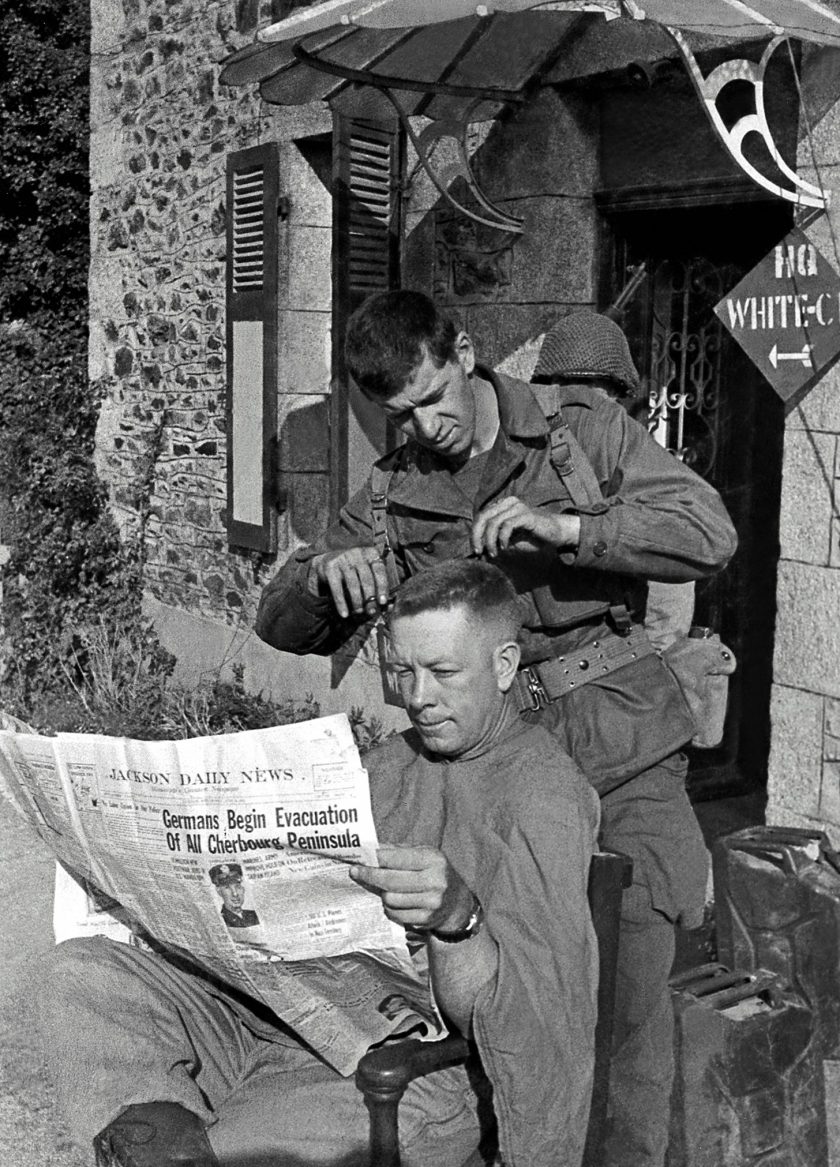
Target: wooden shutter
(252,186)
(368,162)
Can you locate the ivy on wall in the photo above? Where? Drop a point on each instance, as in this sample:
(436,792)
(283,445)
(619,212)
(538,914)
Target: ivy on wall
(66,562)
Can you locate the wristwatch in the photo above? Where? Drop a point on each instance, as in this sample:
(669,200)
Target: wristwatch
(470,929)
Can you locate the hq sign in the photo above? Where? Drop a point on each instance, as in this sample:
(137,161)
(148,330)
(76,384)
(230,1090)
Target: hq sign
(785,314)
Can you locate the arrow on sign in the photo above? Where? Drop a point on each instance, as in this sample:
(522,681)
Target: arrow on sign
(805,356)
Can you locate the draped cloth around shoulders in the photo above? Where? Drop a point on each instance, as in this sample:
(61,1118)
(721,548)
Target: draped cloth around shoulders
(519,824)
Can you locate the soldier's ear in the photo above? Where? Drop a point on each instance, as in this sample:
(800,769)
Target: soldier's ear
(465,352)
(505,663)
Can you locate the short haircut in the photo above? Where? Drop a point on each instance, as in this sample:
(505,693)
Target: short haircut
(388,337)
(482,588)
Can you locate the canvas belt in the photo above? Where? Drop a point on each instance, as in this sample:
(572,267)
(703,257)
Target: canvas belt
(538,684)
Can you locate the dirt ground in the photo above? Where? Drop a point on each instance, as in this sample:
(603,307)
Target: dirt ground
(31,1133)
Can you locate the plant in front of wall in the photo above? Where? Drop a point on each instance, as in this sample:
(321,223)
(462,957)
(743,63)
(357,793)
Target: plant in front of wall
(67,567)
(367,732)
(64,553)
(118,681)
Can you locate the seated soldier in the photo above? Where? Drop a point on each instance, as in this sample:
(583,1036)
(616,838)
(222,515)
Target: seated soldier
(489,833)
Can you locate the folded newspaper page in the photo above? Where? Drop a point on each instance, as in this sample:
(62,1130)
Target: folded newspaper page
(233,850)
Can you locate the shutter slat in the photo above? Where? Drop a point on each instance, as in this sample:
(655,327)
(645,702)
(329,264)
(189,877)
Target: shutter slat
(252,346)
(367,174)
(248,230)
(367,163)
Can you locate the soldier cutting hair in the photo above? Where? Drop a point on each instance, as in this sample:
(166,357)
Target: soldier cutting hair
(580,508)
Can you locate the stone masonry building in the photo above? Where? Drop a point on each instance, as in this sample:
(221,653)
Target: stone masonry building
(605,173)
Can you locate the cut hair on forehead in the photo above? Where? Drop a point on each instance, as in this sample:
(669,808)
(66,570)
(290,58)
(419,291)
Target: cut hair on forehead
(481,588)
(388,337)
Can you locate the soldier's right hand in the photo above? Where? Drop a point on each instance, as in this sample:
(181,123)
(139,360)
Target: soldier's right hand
(356,579)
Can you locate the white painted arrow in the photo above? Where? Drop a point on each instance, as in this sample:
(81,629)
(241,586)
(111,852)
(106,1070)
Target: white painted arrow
(804,356)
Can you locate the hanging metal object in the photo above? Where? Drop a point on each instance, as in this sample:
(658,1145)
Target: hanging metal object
(799,191)
(445,173)
(454,130)
(434,60)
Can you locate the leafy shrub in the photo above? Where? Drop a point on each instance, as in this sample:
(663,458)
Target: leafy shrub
(117,680)
(67,567)
(44,127)
(66,562)
(367,732)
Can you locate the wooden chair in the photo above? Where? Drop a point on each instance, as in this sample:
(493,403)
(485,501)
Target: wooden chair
(383,1074)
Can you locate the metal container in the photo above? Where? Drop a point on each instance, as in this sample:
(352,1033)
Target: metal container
(748,1079)
(777,907)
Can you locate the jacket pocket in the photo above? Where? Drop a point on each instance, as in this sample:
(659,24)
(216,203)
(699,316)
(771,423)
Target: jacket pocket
(424,542)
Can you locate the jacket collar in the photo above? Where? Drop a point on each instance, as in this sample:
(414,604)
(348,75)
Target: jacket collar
(428,478)
(519,410)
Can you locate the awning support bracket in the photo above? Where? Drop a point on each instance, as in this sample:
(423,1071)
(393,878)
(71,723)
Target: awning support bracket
(799,191)
(426,141)
(442,177)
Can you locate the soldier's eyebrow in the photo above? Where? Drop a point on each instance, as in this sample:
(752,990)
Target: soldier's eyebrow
(433,391)
(438,662)
(416,401)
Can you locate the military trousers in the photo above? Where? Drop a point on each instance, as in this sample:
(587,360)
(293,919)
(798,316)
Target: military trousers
(650,819)
(123,1026)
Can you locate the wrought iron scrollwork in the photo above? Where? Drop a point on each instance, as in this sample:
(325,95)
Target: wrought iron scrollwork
(455,131)
(684,385)
(798,190)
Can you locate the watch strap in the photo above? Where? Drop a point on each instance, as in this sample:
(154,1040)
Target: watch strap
(470,929)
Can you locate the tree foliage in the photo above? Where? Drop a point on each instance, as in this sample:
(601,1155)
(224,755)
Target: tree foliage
(44,126)
(65,551)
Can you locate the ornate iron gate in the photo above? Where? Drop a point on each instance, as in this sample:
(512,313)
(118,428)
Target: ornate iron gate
(683,379)
(707,404)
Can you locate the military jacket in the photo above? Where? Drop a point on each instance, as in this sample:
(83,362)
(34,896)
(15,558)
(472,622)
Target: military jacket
(657,520)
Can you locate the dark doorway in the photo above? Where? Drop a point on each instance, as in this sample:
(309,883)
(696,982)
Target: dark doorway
(712,408)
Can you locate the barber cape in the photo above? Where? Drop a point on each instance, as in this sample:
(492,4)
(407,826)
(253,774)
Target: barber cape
(518,822)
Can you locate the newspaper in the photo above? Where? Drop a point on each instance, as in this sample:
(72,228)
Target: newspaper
(233,850)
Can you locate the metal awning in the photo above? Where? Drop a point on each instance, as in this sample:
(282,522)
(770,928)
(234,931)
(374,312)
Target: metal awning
(443,55)
(456,62)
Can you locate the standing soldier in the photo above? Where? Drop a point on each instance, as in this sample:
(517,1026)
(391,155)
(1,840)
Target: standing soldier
(589,347)
(577,504)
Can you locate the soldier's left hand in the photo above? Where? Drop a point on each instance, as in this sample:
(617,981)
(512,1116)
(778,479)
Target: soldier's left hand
(511,522)
(418,886)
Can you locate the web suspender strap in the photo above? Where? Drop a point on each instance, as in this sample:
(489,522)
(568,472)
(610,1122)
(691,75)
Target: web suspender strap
(570,463)
(380,481)
(576,473)
(574,469)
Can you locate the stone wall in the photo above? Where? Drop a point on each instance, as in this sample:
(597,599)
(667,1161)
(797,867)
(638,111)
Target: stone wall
(541,165)
(804,774)
(162,128)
